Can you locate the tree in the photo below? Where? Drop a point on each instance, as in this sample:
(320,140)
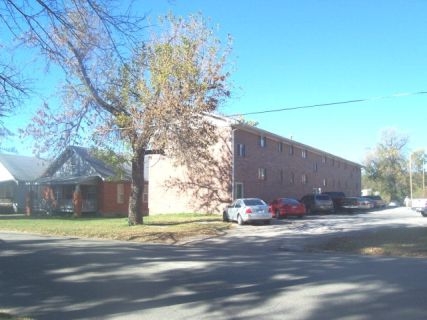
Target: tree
(417,160)
(158,100)
(386,168)
(27,24)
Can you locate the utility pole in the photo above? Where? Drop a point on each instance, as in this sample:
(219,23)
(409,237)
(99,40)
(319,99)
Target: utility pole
(410,175)
(424,181)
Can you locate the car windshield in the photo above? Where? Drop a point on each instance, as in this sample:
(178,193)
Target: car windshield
(290,201)
(253,202)
(322,197)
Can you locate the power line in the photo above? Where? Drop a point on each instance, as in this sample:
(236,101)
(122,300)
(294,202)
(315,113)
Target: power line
(329,104)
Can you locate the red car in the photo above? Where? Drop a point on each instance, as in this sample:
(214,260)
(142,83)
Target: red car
(283,207)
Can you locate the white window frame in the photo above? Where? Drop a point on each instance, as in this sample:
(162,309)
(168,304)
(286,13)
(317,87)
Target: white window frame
(262,174)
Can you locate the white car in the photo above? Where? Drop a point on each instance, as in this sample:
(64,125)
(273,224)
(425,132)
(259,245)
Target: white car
(247,210)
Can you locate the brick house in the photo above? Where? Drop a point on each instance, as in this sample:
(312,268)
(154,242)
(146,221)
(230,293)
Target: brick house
(103,189)
(249,162)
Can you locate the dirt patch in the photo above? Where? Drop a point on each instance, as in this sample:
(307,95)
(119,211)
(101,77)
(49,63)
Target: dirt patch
(405,242)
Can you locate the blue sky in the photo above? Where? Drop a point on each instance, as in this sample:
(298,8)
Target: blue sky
(300,53)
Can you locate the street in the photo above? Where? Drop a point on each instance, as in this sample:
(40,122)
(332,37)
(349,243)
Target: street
(254,272)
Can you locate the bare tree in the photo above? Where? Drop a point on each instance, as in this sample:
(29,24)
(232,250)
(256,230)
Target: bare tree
(156,101)
(28,23)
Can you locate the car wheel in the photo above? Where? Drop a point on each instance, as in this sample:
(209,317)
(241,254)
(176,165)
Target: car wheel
(239,220)
(277,215)
(225,217)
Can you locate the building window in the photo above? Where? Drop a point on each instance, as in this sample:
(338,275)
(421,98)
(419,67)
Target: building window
(325,182)
(324,159)
(291,149)
(120,193)
(238,190)
(304,179)
(241,150)
(281,175)
(145,195)
(315,168)
(304,153)
(280,146)
(262,174)
(262,141)
(292,178)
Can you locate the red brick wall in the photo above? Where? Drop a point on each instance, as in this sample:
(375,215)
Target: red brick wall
(319,168)
(108,204)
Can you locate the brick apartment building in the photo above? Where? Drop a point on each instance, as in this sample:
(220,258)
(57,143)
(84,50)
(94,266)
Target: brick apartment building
(250,162)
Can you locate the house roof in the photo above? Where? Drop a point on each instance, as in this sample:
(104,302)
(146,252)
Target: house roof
(21,168)
(95,167)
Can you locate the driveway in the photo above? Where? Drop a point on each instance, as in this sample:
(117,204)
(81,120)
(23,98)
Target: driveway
(249,274)
(293,233)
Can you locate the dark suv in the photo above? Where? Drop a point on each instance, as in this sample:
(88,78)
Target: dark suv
(318,203)
(337,198)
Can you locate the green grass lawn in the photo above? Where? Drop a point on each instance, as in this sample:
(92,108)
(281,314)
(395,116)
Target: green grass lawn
(168,228)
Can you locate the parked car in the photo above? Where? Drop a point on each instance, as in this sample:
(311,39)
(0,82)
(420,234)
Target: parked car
(337,198)
(283,207)
(394,204)
(247,210)
(378,201)
(420,205)
(365,203)
(317,203)
(351,204)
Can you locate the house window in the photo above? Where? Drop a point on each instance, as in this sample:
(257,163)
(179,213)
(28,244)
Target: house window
(120,193)
(241,150)
(304,153)
(238,190)
(304,179)
(291,149)
(280,147)
(262,174)
(262,141)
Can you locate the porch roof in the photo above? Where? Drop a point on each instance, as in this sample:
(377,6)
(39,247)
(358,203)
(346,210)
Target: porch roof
(86,180)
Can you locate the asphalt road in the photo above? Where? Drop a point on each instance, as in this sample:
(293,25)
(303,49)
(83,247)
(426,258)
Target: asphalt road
(255,272)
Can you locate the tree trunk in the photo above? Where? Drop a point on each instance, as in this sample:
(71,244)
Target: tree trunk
(137,188)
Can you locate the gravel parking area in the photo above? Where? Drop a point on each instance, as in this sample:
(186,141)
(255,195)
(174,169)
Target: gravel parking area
(294,234)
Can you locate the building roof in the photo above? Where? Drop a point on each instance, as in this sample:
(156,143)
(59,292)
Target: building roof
(21,168)
(92,167)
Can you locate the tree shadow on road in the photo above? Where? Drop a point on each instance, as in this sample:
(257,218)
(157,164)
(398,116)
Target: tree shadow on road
(49,278)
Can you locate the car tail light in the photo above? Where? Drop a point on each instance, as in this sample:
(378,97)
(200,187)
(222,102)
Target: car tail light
(248,210)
